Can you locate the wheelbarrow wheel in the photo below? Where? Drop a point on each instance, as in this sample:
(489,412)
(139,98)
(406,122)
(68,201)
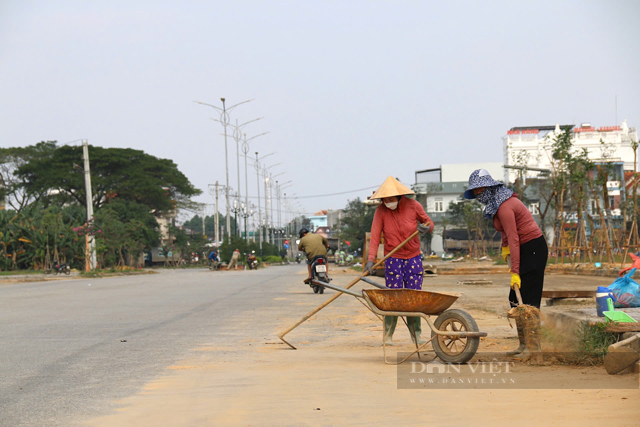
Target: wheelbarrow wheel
(455,349)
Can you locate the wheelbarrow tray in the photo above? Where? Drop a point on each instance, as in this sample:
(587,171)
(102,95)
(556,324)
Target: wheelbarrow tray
(411,300)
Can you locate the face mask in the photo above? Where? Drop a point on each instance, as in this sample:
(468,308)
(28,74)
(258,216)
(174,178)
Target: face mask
(484,197)
(392,205)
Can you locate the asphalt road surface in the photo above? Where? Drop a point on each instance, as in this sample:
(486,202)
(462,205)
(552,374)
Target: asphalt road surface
(70,349)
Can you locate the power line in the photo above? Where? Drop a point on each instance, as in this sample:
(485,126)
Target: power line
(325,195)
(337,194)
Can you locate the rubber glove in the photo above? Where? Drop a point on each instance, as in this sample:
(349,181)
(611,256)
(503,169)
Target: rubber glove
(515,280)
(505,253)
(369,267)
(424,228)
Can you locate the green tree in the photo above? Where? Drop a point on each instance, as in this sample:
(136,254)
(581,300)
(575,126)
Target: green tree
(356,221)
(195,224)
(121,173)
(13,187)
(470,216)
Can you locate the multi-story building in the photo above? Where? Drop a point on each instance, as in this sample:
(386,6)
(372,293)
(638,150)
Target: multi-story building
(528,156)
(529,147)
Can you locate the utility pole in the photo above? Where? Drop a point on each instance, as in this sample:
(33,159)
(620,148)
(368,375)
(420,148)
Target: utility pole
(91,243)
(214,190)
(257,166)
(267,205)
(203,214)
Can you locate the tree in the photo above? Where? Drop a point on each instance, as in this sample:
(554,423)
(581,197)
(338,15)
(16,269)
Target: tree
(13,187)
(470,215)
(195,224)
(116,173)
(356,221)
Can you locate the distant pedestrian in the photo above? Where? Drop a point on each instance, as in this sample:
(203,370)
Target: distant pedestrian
(234,260)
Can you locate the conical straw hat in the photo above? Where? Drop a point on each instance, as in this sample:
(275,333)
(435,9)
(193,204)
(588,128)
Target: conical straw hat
(391,187)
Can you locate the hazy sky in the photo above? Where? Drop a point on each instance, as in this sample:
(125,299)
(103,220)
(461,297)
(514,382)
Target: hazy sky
(351,91)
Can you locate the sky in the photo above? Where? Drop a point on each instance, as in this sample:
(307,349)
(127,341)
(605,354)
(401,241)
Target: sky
(350,91)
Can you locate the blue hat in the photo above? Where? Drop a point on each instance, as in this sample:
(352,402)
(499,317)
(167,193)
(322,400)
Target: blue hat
(479,178)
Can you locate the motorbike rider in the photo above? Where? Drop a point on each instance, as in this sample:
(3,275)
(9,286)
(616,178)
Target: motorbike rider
(251,258)
(313,245)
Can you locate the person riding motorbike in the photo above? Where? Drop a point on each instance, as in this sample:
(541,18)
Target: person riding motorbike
(313,245)
(252,262)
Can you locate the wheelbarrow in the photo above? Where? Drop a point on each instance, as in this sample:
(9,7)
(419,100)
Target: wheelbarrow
(454,333)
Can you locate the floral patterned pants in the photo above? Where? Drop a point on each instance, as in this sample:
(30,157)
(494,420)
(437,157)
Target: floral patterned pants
(403,273)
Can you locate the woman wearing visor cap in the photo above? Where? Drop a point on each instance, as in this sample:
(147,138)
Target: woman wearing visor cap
(398,217)
(523,244)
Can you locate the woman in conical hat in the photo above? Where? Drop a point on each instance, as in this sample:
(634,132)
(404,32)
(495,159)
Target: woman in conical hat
(524,247)
(398,217)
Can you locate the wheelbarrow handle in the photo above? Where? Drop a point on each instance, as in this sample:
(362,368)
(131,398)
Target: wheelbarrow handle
(333,298)
(373,283)
(336,288)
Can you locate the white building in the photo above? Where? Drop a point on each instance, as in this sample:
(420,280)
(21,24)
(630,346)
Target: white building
(530,146)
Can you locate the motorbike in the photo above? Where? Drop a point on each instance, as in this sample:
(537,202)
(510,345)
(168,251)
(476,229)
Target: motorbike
(61,268)
(252,262)
(319,272)
(299,258)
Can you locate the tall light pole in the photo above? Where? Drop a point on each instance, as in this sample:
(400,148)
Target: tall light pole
(245,151)
(236,208)
(257,167)
(267,198)
(224,119)
(280,188)
(237,135)
(271,177)
(246,212)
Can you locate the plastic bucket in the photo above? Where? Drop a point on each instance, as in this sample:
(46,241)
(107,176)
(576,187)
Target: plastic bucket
(601,300)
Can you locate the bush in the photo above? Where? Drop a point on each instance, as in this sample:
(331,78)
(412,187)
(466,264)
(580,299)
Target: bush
(226,249)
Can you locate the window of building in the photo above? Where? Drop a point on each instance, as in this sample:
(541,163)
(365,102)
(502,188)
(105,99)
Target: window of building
(593,208)
(439,205)
(534,208)
(612,202)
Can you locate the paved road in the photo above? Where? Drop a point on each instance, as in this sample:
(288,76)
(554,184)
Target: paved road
(70,349)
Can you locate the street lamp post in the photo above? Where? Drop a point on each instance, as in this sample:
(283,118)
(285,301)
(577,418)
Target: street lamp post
(236,208)
(245,213)
(257,166)
(245,151)
(268,179)
(279,188)
(237,135)
(225,119)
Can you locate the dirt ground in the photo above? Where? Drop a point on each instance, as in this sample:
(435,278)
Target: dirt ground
(338,375)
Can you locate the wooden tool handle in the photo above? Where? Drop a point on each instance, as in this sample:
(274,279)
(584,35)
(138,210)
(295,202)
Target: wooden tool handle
(624,342)
(517,291)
